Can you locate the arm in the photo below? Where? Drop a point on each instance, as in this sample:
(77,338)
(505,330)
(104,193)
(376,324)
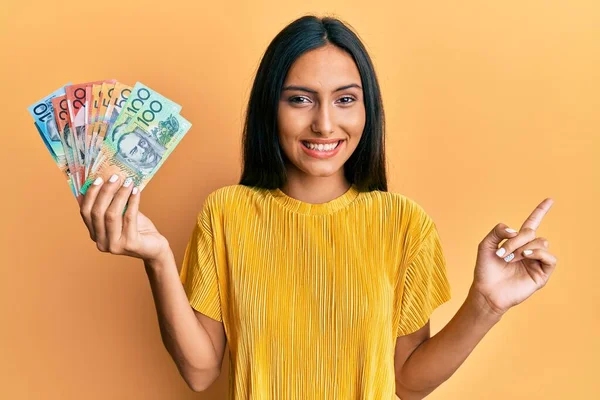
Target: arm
(437,358)
(499,284)
(195,342)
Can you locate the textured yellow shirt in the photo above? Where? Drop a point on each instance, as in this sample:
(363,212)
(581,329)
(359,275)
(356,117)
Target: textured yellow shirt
(313,296)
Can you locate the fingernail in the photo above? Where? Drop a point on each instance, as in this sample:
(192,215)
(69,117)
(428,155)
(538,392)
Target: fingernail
(135,190)
(97,181)
(113,178)
(527,252)
(510,230)
(501,252)
(127,182)
(509,257)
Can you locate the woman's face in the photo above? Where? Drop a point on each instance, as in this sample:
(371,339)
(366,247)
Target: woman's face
(321,101)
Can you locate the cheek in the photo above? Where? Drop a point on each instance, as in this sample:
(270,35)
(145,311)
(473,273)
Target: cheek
(354,125)
(291,121)
(290,127)
(355,121)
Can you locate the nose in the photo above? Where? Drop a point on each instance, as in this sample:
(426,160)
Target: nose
(322,122)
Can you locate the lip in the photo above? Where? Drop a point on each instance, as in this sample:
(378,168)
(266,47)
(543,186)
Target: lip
(323,154)
(322,141)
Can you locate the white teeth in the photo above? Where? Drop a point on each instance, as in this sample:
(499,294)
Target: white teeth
(321,147)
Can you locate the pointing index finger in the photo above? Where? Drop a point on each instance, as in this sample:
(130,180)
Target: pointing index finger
(535,218)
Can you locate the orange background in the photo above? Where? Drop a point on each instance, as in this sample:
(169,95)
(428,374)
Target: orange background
(491,107)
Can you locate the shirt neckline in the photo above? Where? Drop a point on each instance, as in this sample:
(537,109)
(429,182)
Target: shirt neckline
(303,207)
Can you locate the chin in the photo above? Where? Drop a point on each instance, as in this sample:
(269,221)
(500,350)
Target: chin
(321,172)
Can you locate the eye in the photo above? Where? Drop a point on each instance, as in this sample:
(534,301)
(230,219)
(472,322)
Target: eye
(349,100)
(305,100)
(295,99)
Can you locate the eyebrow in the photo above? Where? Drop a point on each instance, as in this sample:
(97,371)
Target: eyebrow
(305,89)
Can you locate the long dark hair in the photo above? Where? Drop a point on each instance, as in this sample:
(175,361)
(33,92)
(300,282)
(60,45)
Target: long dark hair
(263,158)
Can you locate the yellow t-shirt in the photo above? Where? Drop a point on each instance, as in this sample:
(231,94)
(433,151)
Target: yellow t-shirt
(313,296)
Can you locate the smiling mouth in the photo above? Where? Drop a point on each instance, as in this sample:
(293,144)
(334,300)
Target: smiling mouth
(321,147)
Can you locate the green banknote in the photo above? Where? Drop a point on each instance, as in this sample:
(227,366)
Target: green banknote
(140,147)
(140,95)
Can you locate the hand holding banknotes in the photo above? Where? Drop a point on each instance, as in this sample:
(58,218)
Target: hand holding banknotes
(130,233)
(103,129)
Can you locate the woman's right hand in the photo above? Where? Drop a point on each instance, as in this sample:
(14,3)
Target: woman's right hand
(132,233)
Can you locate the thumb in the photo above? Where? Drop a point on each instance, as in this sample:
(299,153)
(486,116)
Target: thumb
(496,236)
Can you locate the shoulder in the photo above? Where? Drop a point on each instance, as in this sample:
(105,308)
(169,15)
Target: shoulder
(415,218)
(236,191)
(407,206)
(226,197)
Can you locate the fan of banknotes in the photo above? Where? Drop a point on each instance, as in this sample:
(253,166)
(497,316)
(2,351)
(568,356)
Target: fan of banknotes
(101,128)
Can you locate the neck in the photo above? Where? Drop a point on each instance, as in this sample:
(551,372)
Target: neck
(315,189)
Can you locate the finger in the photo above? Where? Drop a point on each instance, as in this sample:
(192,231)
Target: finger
(86,203)
(524,236)
(497,234)
(130,217)
(547,260)
(113,218)
(535,218)
(99,209)
(517,254)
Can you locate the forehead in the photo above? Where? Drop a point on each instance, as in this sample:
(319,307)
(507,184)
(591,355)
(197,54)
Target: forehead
(325,67)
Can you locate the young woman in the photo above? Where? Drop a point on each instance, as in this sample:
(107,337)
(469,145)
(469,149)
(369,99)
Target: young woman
(321,281)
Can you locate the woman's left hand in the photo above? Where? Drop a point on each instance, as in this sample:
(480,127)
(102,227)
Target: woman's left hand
(508,278)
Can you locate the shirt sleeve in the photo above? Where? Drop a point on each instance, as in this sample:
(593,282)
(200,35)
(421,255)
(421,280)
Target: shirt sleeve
(199,271)
(425,282)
